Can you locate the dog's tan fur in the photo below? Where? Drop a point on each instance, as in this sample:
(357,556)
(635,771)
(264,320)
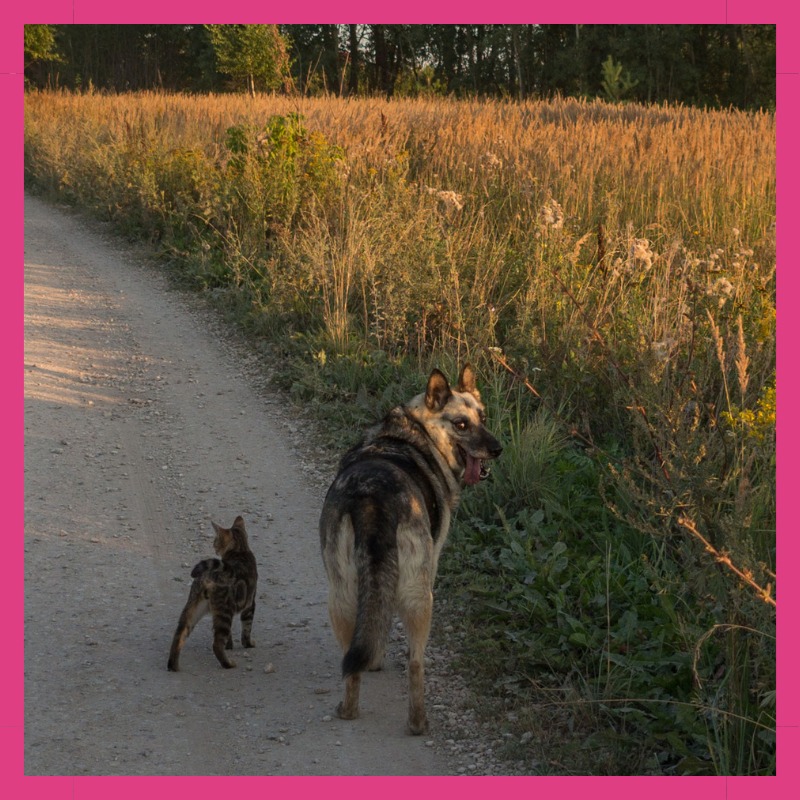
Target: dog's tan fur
(385,521)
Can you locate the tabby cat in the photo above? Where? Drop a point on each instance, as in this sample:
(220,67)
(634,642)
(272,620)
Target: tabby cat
(224,588)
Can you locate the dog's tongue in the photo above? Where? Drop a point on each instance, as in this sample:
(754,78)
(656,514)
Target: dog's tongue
(472,472)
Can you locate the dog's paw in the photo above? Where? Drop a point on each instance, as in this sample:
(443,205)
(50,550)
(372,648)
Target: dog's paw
(416,726)
(346,713)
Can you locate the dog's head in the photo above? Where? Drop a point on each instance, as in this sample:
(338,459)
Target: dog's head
(456,421)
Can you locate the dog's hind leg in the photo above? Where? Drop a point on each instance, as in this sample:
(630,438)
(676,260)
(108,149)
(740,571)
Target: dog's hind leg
(344,624)
(416,611)
(348,708)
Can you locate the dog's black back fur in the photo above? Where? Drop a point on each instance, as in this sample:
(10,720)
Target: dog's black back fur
(385,520)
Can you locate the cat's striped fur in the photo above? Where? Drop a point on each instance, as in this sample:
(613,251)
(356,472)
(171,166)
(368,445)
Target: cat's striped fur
(223,587)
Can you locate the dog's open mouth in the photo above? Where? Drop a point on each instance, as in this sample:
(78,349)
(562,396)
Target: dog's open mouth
(475,469)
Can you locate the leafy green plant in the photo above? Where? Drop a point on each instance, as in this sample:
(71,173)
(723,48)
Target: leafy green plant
(255,54)
(273,172)
(616,81)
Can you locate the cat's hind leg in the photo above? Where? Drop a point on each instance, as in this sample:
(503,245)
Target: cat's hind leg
(195,609)
(247,625)
(222,635)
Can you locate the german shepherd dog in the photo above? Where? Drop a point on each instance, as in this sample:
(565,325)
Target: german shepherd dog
(384,523)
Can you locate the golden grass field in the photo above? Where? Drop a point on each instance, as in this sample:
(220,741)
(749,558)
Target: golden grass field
(611,271)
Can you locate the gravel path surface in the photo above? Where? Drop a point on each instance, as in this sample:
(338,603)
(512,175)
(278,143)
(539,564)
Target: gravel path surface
(144,420)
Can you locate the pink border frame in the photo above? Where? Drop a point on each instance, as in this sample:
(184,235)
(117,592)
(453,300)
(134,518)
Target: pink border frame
(787,781)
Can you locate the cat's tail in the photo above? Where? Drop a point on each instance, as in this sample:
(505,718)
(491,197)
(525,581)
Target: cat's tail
(204,566)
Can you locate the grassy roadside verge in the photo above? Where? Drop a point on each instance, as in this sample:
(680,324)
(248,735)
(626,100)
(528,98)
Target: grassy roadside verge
(610,270)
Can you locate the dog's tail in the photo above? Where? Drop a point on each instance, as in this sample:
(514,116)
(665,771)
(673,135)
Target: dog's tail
(378,571)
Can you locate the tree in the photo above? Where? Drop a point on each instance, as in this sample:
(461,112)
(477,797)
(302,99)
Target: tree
(354,60)
(616,82)
(257,54)
(703,65)
(40,44)
(41,49)
(316,55)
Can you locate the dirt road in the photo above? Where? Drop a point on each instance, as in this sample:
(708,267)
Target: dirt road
(142,424)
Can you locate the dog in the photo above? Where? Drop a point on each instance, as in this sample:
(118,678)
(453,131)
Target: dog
(385,520)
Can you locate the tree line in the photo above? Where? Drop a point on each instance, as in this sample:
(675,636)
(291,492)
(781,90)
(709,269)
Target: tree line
(706,65)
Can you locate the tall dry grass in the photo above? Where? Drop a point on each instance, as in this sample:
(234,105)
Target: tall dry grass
(682,169)
(673,177)
(617,260)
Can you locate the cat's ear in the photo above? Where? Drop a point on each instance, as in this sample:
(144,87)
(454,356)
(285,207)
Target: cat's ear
(238,523)
(217,528)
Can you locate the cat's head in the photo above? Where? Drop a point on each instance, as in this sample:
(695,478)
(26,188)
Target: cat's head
(227,539)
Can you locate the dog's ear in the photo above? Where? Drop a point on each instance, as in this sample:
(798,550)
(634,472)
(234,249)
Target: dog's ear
(466,382)
(437,392)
